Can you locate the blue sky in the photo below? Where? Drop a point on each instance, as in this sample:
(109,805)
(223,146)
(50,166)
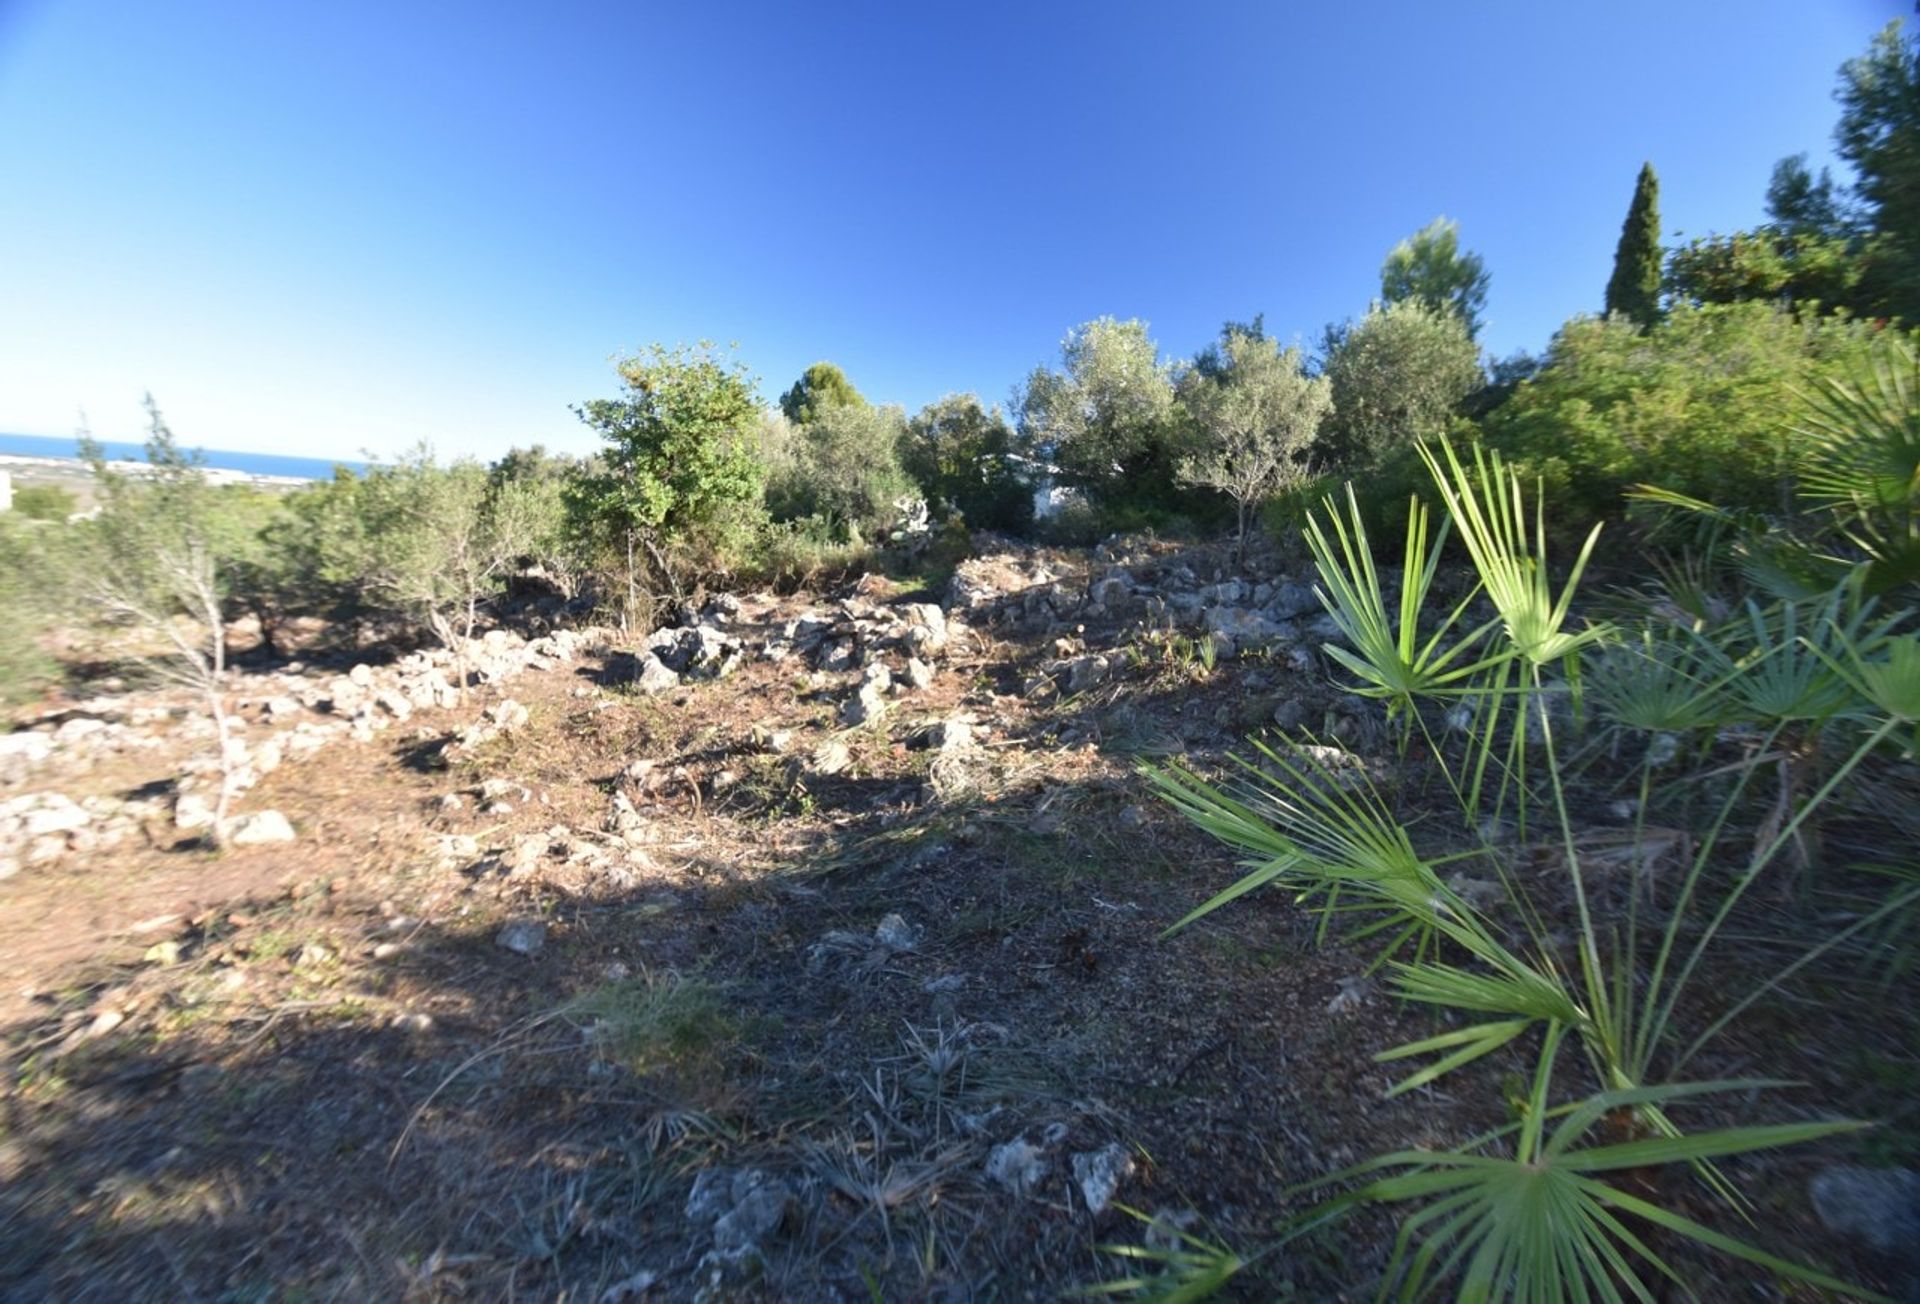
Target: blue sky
(322,228)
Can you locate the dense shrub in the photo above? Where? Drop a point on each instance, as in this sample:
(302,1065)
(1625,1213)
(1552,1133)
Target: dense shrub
(1702,404)
(43,502)
(842,469)
(962,456)
(1399,375)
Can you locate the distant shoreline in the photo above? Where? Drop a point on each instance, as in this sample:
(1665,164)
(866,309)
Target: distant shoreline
(60,468)
(61,456)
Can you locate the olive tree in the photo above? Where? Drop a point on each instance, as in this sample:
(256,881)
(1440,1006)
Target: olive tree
(436,552)
(1397,375)
(1106,420)
(842,468)
(152,558)
(1255,413)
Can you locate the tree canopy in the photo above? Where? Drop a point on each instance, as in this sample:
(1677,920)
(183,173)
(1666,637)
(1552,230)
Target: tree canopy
(1429,267)
(1634,289)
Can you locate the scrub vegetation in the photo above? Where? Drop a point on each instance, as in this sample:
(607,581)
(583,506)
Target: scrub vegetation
(1273,823)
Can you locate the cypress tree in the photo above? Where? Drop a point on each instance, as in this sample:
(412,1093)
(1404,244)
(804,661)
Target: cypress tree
(1634,289)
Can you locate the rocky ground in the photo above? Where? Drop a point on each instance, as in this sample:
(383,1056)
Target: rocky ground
(810,948)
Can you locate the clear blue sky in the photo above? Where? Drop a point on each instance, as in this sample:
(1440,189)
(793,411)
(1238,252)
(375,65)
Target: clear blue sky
(325,227)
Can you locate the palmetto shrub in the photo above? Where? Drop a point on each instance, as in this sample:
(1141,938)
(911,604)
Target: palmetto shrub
(1600,990)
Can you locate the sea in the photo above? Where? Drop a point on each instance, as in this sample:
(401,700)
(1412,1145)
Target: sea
(300,468)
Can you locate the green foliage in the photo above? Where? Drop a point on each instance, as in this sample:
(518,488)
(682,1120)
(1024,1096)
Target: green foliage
(528,498)
(820,387)
(1802,204)
(1254,418)
(1803,269)
(435,554)
(29,558)
(678,482)
(1879,135)
(1398,376)
(842,468)
(1527,1211)
(679,442)
(1702,404)
(1428,267)
(1854,473)
(962,456)
(1633,291)
(1107,419)
(44,502)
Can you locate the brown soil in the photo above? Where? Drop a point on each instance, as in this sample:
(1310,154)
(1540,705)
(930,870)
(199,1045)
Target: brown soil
(341,1086)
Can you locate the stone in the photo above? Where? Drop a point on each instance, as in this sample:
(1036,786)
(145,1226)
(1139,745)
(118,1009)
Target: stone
(1291,714)
(1083,673)
(919,675)
(771,741)
(1018,1165)
(55,813)
(260,828)
(361,676)
(865,706)
(1245,627)
(1113,592)
(712,1195)
(947,735)
(1877,1206)
(522,936)
(927,630)
(896,934)
(191,812)
(395,705)
(1293,600)
(1099,1174)
(760,1205)
(281,708)
(655,677)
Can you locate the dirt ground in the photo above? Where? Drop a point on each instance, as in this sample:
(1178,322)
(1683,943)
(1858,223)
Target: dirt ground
(924,997)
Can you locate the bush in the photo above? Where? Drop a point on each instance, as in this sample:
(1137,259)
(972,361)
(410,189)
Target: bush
(44,502)
(842,469)
(961,455)
(1703,404)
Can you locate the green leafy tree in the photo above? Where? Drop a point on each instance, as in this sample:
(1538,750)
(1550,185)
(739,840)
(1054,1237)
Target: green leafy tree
(962,455)
(841,469)
(1801,268)
(678,460)
(437,549)
(1879,135)
(528,493)
(1634,289)
(1397,376)
(1255,418)
(1802,204)
(1429,267)
(820,387)
(153,560)
(1106,420)
(32,556)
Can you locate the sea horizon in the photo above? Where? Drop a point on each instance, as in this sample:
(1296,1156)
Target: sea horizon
(276,464)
